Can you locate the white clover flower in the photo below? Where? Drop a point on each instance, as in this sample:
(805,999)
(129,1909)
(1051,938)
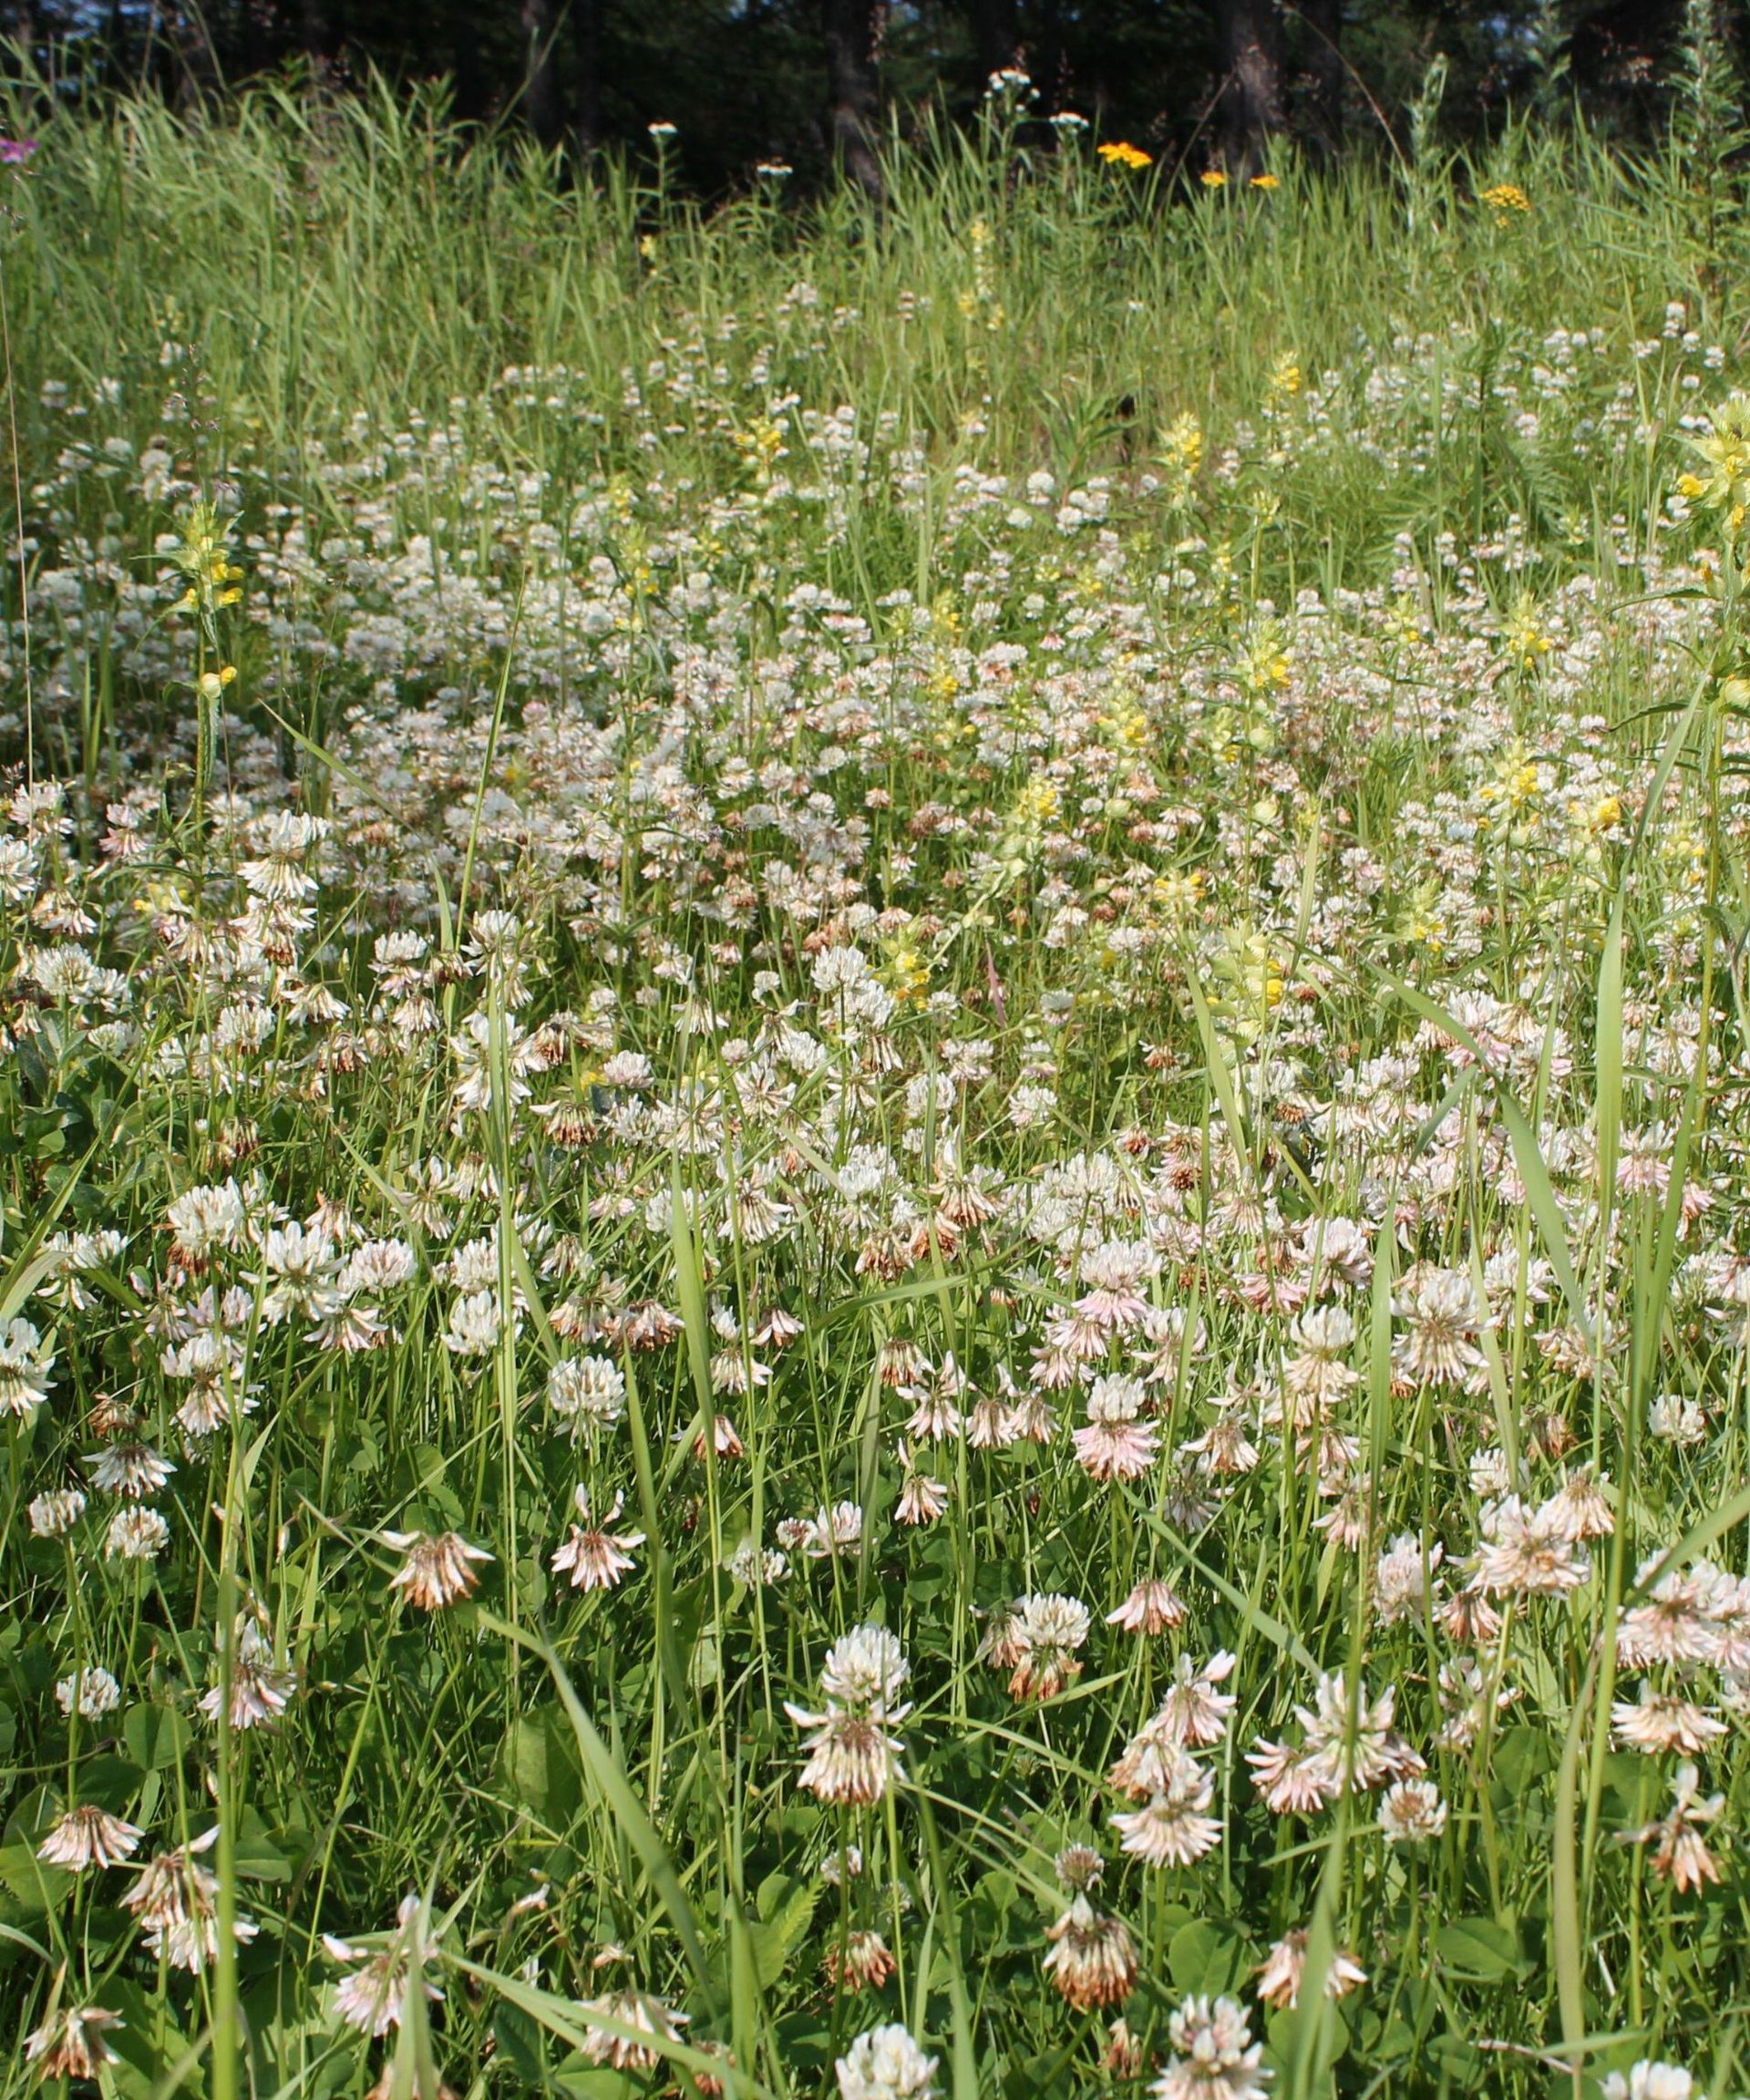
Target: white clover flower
(301,1260)
(866,1668)
(25,1362)
(208,1220)
(587,1390)
(1650,2080)
(93,1691)
(474,1324)
(136,1534)
(1411,1812)
(1216,2057)
(53,1515)
(373,1995)
(886,2064)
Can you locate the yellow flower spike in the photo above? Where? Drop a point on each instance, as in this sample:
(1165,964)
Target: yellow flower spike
(1035,806)
(1183,445)
(1514,781)
(907,972)
(1213,179)
(1266,182)
(1177,892)
(1523,633)
(1721,475)
(1265,665)
(1506,200)
(1120,153)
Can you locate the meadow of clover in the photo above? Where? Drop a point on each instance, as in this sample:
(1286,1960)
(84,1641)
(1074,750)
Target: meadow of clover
(873,1208)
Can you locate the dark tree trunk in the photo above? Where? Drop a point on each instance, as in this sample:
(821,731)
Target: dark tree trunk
(996,32)
(198,70)
(1049,79)
(1252,54)
(471,96)
(315,32)
(540,75)
(1323,22)
(851,30)
(586,28)
(245,43)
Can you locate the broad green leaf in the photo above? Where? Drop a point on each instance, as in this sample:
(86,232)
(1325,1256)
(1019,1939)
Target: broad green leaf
(777,1934)
(616,1791)
(1478,1947)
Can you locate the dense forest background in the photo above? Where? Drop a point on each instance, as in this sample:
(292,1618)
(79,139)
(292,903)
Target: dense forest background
(812,83)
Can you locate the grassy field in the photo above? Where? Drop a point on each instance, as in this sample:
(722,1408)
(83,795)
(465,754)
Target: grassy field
(876,1105)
